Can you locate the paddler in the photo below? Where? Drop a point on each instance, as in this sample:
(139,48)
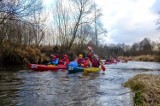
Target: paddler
(95,62)
(65,60)
(80,60)
(54,60)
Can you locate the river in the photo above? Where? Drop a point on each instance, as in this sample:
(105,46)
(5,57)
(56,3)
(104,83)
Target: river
(24,87)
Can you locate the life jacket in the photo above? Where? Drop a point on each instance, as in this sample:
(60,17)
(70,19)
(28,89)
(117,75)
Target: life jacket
(73,64)
(95,63)
(64,61)
(80,61)
(87,63)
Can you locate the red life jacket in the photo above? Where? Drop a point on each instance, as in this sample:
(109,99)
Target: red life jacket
(95,63)
(80,61)
(64,61)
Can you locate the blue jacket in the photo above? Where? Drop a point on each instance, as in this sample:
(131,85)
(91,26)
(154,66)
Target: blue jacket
(54,62)
(73,64)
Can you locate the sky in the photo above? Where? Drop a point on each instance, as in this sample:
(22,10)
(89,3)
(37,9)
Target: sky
(128,21)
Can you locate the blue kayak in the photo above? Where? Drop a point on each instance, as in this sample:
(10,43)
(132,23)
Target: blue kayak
(74,69)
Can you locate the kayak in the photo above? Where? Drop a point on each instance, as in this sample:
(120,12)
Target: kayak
(82,69)
(74,69)
(39,67)
(108,63)
(111,62)
(91,70)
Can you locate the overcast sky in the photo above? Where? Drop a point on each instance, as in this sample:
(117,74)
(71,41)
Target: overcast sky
(128,21)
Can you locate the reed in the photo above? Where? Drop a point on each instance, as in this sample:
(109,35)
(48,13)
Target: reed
(146,89)
(11,54)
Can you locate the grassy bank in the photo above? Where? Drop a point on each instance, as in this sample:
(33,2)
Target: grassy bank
(11,54)
(146,89)
(142,58)
(16,54)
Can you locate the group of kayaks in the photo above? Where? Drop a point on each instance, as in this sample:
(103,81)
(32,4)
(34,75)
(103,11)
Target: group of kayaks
(71,67)
(38,67)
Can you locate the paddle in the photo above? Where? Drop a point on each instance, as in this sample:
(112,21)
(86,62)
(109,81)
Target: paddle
(102,67)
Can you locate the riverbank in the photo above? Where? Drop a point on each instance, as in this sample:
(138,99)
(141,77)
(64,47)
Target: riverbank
(15,54)
(146,89)
(11,54)
(151,58)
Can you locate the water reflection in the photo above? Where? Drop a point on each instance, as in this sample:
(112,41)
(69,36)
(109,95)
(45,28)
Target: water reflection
(9,86)
(29,88)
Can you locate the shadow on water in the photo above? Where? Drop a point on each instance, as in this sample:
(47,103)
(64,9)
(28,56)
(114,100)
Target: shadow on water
(29,88)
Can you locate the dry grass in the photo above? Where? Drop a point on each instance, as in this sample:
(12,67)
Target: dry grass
(30,54)
(145,58)
(146,89)
(12,54)
(142,58)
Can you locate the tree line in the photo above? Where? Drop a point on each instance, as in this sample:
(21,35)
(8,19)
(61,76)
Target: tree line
(74,25)
(144,47)
(24,23)
(74,21)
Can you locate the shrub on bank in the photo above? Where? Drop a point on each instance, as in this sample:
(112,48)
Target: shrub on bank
(146,89)
(11,54)
(142,58)
(145,58)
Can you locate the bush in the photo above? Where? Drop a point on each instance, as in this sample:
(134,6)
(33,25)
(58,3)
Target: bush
(13,55)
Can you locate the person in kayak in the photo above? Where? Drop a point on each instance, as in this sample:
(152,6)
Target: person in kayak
(54,60)
(80,60)
(65,60)
(73,63)
(95,62)
(87,62)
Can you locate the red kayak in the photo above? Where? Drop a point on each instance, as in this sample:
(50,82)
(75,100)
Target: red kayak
(111,62)
(38,67)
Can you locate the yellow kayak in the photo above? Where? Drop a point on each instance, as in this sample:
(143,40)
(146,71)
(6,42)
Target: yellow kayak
(91,70)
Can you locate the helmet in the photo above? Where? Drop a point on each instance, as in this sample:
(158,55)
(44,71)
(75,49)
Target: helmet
(80,55)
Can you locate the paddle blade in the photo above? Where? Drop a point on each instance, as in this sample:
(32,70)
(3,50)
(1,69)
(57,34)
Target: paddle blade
(103,68)
(86,63)
(89,47)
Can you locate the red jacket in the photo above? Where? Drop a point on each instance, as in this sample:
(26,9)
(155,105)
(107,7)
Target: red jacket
(95,63)
(64,61)
(80,61)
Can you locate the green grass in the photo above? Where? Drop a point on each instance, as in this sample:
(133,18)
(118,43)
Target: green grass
(138,99)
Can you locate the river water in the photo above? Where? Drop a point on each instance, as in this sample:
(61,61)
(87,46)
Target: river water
(24,87)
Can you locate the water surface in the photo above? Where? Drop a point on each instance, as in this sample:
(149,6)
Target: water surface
(19,86)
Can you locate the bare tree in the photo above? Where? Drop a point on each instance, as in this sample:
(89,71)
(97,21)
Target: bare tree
(14,19)
(98,27)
